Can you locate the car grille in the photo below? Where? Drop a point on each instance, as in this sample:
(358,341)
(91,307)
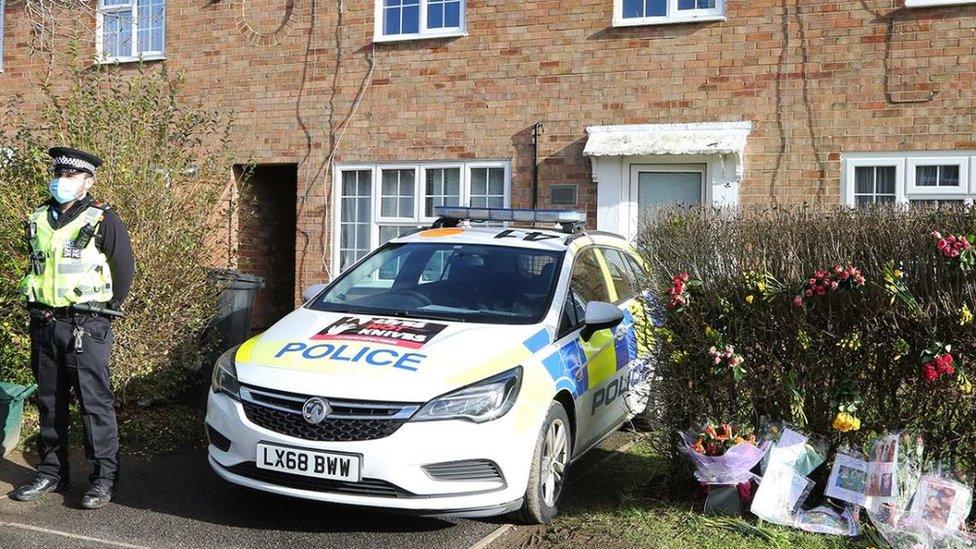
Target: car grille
(481,470)
(365,487)
(349,421)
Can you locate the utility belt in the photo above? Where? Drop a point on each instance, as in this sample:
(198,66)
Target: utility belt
(72,312)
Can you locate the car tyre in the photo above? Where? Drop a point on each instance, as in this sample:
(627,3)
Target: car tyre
(550,463)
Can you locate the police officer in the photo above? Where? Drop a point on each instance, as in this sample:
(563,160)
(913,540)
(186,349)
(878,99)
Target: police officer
(81,268)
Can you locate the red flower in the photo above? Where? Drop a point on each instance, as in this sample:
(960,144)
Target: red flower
(930,373)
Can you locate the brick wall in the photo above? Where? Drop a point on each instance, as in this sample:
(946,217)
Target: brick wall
(817,77)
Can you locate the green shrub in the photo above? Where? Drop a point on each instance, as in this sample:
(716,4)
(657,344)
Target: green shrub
(858,350)
(166,173)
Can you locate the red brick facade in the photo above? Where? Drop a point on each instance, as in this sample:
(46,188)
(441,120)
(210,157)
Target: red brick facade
(818,78)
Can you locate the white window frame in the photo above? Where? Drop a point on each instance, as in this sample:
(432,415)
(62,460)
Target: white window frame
(936,3)
(674,15)
(905,163)
(874,162)
(912,188)
(132,7)
(420,218)
(464,191)
(424,32)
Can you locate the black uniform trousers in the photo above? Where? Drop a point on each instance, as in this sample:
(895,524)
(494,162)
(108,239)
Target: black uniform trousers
(59,368)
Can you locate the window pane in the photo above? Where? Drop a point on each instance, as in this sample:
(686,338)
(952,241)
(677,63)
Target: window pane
(435,14)
(452,14)
(948,176)
(496,181)
(633,8)
(696,4)
(885,180)
(619,274)
(864,180)
(411,18)
(926,176)
(397,198)
(150,24)
(488,187)
(354,216)
(662,188)
(113,3)
(655,8)
(587,280)
(401,17)
(117,34)
(443,188)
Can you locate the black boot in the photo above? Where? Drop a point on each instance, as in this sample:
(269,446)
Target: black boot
(38,488)
(98,494)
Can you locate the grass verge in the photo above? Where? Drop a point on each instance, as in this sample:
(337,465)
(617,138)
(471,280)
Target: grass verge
(633,499)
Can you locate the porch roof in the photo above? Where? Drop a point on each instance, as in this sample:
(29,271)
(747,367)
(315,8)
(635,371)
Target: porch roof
(654,139)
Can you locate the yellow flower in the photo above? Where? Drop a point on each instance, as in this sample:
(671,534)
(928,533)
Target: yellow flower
(749,299)
(965,315)
(898,273)
(845,422)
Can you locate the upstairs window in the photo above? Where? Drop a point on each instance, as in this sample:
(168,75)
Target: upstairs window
(652,12)
(416,19)
(130,30)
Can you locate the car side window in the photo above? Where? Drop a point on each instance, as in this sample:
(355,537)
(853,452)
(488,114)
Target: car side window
(586,284)
(620,274)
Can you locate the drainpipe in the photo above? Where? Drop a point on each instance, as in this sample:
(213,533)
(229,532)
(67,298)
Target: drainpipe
(536,128)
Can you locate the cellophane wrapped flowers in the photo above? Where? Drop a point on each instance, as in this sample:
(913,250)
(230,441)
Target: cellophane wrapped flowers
(721,454)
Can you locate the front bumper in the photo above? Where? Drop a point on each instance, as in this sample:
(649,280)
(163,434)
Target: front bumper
(393,477)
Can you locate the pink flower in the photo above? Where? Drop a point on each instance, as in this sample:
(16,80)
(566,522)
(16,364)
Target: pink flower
(808,293)
(821,290)
(833,285)
(717,360)
(734,361)
(941,244)
(684,277)
(936,235)
(798,300)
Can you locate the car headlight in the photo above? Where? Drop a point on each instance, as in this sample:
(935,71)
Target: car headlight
(483,401)
(225,375)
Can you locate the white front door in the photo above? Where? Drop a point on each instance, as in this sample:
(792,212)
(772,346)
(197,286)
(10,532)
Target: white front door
(659,185)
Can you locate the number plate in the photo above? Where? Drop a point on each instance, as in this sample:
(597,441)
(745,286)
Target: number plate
(310,463)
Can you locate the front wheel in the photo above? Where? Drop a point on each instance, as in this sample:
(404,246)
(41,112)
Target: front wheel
(550,462)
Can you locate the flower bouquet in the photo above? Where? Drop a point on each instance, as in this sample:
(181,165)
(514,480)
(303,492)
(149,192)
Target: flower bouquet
(723,458)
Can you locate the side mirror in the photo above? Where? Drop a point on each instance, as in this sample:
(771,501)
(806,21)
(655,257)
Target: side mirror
(312,291)
(600,315)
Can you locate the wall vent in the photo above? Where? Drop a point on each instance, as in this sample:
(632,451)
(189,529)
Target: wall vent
(562,195)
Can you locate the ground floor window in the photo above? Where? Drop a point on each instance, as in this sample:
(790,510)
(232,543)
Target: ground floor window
(378,202)
(923,178)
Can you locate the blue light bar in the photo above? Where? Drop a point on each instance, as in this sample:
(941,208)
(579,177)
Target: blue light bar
(510,214)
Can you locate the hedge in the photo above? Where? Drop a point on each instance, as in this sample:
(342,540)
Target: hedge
(840,321)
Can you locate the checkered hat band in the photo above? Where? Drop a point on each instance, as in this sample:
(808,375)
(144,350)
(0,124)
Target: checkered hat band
(74,163)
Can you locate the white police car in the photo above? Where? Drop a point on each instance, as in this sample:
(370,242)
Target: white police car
(453,371)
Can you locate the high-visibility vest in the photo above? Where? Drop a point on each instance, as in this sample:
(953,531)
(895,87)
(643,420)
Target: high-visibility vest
(70,275)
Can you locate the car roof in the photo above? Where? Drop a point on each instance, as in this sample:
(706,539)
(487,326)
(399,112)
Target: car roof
(516,236)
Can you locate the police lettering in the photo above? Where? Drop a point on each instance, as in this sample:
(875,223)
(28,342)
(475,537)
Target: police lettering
(606,395)
(343,353)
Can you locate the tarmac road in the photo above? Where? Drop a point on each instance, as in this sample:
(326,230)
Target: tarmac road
(177,501)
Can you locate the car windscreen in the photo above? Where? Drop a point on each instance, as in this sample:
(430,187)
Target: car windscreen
(455,282)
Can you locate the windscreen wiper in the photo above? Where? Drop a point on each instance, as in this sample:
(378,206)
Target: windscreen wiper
(425,316)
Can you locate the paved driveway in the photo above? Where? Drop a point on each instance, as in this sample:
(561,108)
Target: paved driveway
(176,501)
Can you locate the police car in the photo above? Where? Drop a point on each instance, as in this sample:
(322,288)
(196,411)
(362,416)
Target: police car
(457,371)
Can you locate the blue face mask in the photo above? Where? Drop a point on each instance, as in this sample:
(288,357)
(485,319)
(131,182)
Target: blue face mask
(65,190)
